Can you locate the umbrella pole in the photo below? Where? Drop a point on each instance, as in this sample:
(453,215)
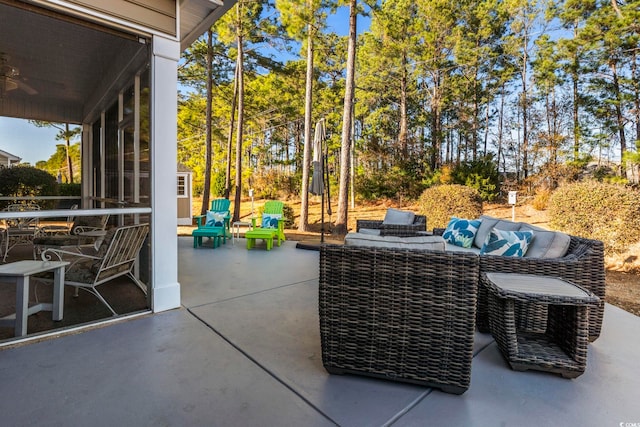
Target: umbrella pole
(322,221)
(322,212)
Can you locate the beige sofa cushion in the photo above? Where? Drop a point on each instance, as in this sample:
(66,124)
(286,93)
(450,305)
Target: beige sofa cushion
(415,242)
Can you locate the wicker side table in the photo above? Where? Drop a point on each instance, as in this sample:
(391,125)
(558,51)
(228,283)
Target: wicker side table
(562,348)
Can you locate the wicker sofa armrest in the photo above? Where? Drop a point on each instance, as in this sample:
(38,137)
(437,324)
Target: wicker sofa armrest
(583,265)
(383,313)
(374,224)
(419,225)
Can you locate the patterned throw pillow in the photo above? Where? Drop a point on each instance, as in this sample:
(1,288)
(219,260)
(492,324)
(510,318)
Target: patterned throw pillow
(215,219)
(460,232)
(507,243)
(270,220)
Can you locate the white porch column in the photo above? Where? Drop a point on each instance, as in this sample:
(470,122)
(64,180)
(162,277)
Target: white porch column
(164,241)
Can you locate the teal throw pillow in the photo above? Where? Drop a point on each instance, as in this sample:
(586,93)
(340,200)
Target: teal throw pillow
(270,220)
(215,219)
(507,243)
(461,232)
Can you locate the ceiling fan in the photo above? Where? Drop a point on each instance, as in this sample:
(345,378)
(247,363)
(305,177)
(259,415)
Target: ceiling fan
(10,78)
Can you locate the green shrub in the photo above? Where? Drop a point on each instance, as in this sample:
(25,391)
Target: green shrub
(287,214)
(273,184)
(70,189)
(404,181)
(541,199)
(24,181)
(441,202)
(597,210)
(481,174)
(218,182)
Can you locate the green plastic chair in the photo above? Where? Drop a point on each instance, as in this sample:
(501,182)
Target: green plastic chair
(270,227)
(215,224)
(220,205)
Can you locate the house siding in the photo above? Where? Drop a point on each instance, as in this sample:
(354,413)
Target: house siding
(159,15)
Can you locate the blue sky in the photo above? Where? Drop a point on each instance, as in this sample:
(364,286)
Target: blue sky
(33,144)
(22,139)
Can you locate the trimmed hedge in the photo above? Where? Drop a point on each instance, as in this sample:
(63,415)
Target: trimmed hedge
(439,203)
(25,181)
(597,210)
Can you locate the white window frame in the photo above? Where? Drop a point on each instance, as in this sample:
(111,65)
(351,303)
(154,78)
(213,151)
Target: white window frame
(185,186)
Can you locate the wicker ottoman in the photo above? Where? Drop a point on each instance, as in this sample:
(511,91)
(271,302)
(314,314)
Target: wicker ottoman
(562,347)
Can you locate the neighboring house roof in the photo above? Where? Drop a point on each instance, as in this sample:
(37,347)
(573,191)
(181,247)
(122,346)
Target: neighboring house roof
(182,168)
(8,159)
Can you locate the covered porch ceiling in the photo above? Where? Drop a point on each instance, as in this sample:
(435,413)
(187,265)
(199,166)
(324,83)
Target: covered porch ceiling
(62,69)
(58,64)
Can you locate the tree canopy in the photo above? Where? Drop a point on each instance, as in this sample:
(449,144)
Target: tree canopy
(531,85)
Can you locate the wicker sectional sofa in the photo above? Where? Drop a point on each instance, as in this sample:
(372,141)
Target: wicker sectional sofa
(405,307)
(572,258)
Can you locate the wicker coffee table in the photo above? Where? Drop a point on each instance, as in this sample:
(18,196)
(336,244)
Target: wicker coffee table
(562,348)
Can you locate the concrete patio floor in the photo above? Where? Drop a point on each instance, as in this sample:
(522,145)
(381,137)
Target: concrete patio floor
(244,350)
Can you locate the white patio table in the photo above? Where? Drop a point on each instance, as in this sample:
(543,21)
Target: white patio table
(19,273)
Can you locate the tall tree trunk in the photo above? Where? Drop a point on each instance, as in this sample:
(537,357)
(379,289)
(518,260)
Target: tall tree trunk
(577,131)
(345,152)
(487,117)
(306,157)
(239,135)
(403,133)
(636,101)
(476,116)
(436,122)
(68,146)
(525,112)
(500,129)
(208,148)
(556,136)
(234,101)
(619,116)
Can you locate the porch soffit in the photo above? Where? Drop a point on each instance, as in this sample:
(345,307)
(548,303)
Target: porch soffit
(66,67)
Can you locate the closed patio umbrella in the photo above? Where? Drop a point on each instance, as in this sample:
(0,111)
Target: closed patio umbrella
(317,185)
(317,181)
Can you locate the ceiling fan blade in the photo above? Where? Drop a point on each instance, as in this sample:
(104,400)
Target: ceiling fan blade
(25,87)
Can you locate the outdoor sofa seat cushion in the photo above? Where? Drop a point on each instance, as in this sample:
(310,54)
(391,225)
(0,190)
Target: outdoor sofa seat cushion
(370,231)
(411,242)
(450,247)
